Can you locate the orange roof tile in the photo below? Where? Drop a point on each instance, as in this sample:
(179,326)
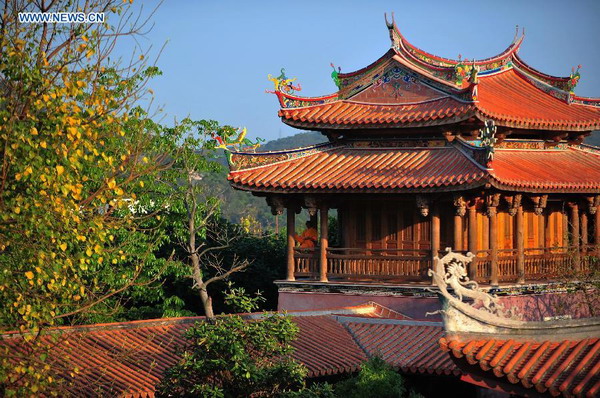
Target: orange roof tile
(571,169)
(512,100)
(508,97)
(567,368)
(351,169)
(409,346)
(353,114)
(129,358)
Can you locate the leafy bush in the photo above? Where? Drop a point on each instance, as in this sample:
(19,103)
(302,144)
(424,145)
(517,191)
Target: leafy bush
(233,357)
(375,379)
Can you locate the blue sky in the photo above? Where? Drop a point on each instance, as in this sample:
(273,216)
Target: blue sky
(218,53)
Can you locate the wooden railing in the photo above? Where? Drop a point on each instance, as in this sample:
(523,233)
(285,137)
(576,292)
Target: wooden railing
(539,263)
(391,264)
(365,264)
(404,265)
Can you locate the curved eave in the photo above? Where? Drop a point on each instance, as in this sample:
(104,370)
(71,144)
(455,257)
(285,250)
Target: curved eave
(389,53)
(452,188)
(282,97)
(353,115)
(510,50)
(547,125)
(543,76)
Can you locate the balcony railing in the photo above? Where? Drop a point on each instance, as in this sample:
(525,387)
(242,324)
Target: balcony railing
(406,265)
(365,264)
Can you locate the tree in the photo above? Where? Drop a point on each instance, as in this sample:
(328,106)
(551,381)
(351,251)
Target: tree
(234,357)
(75,155)
(375,379)
(194,209)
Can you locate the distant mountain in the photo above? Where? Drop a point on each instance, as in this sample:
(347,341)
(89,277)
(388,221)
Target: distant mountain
(593,139)
(237,204)
(294,141)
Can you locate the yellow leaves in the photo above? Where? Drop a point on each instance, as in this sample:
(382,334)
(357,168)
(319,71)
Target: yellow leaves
(28,275)
(60,169)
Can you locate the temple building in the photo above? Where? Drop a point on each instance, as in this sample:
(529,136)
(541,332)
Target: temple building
(424,152)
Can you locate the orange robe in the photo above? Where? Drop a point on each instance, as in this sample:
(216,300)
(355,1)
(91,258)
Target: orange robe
(308,238)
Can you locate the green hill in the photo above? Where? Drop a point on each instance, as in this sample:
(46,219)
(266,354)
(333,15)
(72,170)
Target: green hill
(237,204)
(295,141)
(593,139)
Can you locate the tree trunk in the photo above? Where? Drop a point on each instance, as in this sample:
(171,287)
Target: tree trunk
(206,303)
(201,286)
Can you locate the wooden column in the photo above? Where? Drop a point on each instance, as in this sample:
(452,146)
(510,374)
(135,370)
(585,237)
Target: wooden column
(584,231)
(435,236)
(575,236)
(473,241)
(542,230)
(520,246)
(597,230)
(493,236)
(291,243)
(458,232)
(323,244)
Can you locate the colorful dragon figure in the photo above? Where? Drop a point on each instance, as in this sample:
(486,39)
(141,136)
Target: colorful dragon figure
(283,84)
(335,75)
(573,78)
(241,143)
(460,71)
(488,139)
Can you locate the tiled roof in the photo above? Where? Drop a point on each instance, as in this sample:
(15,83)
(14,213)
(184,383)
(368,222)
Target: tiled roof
(325,347)
(351,169)
(511,100)
(568,368)
(571,169)
(409,346)
(127,359)
(508,97)
(348,169)
(352,114)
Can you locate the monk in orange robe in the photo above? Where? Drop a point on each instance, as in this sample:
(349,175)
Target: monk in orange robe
(309,236)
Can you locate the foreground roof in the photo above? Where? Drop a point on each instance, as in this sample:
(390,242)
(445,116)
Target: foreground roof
(408,87)
(128,358)
(417,166)
(570,368)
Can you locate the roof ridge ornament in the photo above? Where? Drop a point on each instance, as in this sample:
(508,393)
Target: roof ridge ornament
(573,79)
(282,84)
(451,271)
(335,75)
(487,135)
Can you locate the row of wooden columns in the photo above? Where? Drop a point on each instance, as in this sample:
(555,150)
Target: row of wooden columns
(492,214)
(579,223)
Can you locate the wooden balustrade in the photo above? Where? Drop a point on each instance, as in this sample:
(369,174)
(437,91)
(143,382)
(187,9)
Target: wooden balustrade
(405,265)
